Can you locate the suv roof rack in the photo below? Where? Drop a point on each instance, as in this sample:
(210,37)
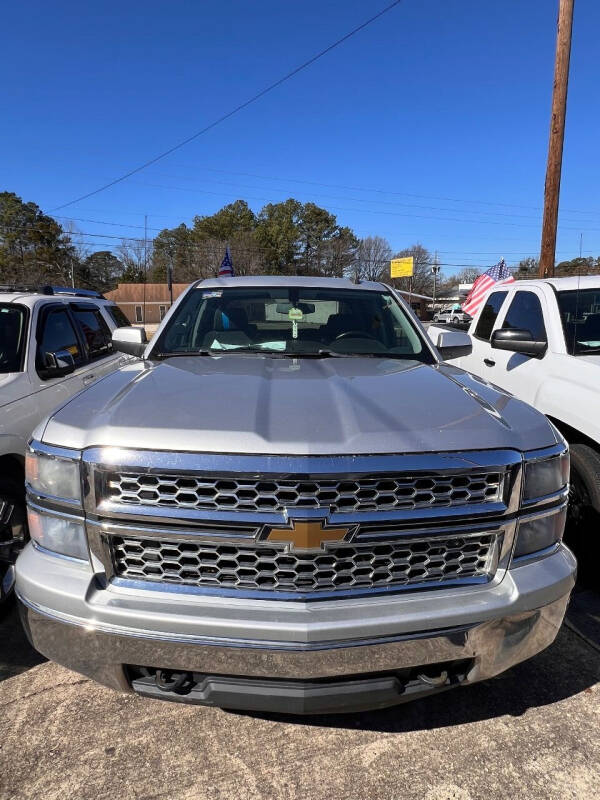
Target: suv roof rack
(76,292)
(47,289)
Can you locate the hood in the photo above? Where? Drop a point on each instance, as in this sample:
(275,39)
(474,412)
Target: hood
(256,404)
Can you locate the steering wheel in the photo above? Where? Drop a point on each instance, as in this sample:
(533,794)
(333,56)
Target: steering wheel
(355,335)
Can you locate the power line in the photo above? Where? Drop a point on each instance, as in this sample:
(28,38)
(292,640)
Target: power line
(373,211)
(379,190)
(237,109)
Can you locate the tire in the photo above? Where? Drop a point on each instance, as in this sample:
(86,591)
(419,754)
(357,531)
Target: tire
(13,519)
(585,479)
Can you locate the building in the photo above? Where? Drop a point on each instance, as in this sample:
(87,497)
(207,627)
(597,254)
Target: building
(145,303)
(419,303)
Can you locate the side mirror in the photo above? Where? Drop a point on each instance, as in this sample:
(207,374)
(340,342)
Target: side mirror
(132,341)
(57,364)
(453,344)
(518,340)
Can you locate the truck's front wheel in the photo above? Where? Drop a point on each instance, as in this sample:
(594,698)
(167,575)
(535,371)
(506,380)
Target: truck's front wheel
(585,482)
(13,520)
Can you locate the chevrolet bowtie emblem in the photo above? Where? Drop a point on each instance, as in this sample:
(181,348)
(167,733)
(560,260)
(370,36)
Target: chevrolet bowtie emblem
(307,534)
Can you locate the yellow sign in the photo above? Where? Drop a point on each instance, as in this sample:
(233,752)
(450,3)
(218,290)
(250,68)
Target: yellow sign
(401,267)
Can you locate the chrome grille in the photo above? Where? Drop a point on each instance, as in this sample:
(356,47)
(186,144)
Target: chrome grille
(255,567)
(363,493)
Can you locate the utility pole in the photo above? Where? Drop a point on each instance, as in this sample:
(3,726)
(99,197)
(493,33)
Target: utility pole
(557,135)
(435,269)
(145,265)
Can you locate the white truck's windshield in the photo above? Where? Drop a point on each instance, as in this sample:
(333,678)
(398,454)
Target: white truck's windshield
(299,321)
(580,314)
(12,337)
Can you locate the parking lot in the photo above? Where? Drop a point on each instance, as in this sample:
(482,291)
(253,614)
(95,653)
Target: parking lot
(531,732)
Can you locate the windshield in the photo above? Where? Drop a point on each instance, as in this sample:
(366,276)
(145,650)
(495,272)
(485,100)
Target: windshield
(292,321)
(580,314)
(12,337)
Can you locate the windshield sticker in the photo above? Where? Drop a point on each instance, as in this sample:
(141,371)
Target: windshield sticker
(212,294)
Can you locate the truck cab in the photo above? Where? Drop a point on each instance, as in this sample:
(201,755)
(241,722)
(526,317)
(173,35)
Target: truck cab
(540,340)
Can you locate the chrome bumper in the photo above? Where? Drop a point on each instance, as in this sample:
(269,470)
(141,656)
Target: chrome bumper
(102,653)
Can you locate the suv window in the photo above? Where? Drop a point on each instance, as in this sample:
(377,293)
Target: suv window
(118,316)
(58,333)
(13,331)
(488,315)
(96,332)
(525,312)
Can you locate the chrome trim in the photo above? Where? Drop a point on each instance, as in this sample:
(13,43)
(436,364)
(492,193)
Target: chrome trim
(101,652)
(31,491)
(561,495)
(98,461)
(545,452)
(253,644)
(546,512)
(54,451)
(536,556)
(546,551)
(55,512)
(99,534)
(178,516)
(54,554)
(295,597)
(306,466)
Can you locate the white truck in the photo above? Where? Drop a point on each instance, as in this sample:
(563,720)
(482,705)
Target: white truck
(54,342)
(540,340)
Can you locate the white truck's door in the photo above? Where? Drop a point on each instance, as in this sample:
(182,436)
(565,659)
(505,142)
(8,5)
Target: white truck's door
(482,359)
(518,373)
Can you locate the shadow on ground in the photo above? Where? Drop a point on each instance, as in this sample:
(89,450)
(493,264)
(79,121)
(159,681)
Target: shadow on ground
(16,654)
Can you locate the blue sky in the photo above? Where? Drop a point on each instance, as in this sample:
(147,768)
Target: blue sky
(431,125)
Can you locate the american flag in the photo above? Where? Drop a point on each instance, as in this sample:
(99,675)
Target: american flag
(226,268)
(497,274)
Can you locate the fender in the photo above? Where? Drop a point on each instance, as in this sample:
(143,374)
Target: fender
(571,400)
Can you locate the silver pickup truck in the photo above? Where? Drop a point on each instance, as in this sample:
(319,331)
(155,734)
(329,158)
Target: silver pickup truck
(290,503)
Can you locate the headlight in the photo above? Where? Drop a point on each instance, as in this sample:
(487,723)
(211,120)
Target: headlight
(53,475)
(59,534)
(546,476)
(540,532)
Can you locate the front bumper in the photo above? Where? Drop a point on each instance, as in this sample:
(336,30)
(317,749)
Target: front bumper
(327,656)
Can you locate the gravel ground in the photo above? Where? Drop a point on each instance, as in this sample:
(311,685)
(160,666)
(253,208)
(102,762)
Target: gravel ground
(530,733)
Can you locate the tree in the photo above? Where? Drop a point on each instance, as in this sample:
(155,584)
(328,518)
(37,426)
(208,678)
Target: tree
(33,247)
(373,256)
(527,268)
(101,271)
(422,280)
(231,220)
(277,234)
(578,266)
(134,255)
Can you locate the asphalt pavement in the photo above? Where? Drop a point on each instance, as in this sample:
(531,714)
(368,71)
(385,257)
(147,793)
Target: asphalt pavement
(529,733)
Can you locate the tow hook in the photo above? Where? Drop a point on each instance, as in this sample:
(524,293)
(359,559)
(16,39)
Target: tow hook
(434,680)
(169,681)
